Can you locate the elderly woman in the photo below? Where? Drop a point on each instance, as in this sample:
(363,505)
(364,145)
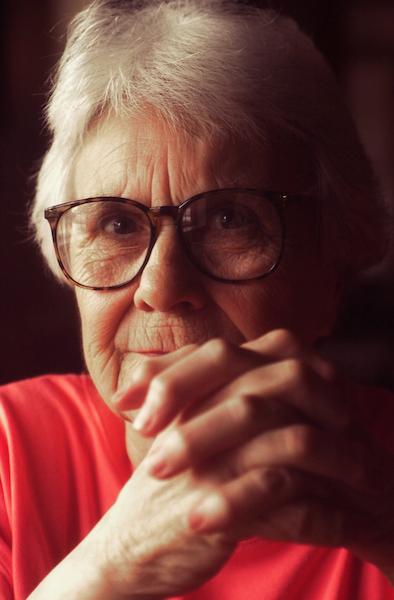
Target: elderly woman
(209,202)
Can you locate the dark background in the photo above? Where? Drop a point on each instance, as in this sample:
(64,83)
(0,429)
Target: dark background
(39,328)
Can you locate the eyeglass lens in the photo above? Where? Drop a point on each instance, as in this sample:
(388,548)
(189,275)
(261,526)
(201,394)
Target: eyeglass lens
(229,235)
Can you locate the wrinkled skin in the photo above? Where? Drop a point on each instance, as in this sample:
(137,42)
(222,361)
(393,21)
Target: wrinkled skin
(253,433)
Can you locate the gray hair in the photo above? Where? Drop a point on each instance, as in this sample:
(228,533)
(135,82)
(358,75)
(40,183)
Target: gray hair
(211,67)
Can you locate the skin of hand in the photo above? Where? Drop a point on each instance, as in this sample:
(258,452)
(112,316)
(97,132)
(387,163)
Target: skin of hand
(300,466)
(146,539)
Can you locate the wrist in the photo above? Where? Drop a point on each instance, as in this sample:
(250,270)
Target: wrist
(81,574)
(97,575)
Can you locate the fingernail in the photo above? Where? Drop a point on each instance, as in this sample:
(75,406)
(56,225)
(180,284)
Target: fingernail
(129,397)
(157,462)
(162,459)
(148,414)
(207,514)
(144,419)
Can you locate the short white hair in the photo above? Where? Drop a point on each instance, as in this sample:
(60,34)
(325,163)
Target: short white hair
(211,67)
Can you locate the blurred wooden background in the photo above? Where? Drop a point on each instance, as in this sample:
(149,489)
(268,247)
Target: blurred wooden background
(39,328)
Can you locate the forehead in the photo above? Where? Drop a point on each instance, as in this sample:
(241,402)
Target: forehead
(142,159)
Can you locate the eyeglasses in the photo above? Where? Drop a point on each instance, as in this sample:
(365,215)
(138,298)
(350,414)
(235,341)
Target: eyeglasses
(230,235)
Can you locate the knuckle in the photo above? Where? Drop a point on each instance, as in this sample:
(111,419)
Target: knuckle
(269,480)
(181,441)
(219,349)
(241,409)
(286,340)
(300,442)
(296,373)
(164,385)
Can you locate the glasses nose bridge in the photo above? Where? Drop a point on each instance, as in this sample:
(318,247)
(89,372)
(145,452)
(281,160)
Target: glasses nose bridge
(155,213)
(164,211)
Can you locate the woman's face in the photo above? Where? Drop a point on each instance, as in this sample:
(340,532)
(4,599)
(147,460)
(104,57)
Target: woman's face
(171,303)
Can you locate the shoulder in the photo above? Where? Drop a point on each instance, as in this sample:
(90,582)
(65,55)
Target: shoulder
(54,398)
(63,461)
(35,412)
(56,414)
(57,434)
(45,388)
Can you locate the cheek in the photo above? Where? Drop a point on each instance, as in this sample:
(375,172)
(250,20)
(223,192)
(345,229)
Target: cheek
(252,308)
(258,309)
(101,314)
(303,301)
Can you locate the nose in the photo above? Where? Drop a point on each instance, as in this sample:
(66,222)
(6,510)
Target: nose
(169,281)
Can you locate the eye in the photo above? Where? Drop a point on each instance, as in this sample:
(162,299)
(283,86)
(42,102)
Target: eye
(232,216)
(119,225)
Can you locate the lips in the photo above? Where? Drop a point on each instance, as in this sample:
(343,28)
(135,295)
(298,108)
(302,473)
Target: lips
(160,333)
(150,352)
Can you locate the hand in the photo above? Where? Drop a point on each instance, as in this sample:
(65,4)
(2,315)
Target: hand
(144,545)
(300,466)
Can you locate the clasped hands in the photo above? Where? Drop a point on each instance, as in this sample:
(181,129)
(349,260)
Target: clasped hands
(283,432)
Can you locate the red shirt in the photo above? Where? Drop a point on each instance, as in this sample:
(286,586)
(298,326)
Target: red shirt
(62,463)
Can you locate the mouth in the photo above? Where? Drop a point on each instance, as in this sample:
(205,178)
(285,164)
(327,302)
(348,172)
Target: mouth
(150,352)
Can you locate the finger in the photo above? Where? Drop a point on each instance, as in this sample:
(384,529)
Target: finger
(273,396)
(296,383)
(274,504)
(234,422)
(305,448)
(282,344)
(133,393)
(241,501)
(211,366)
(307,521)
(169,392)
(277,436)
(190,379)
(275,345)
